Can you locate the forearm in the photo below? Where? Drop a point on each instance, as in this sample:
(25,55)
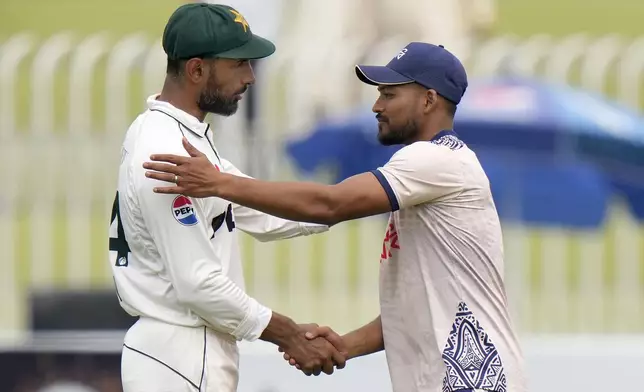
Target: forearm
(303,202)
(365,340)
(222,304)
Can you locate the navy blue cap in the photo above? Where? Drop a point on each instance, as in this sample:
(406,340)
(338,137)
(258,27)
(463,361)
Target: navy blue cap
(431,66)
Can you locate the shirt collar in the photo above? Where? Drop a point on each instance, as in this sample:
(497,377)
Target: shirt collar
(445,132)
(188,121)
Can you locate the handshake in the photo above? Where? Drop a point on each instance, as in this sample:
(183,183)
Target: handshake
(316,349)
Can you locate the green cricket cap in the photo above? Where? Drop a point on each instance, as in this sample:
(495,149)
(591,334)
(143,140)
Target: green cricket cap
(212,31)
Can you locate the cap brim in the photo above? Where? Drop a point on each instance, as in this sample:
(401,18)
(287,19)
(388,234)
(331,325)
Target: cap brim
(256,48)
(380,75)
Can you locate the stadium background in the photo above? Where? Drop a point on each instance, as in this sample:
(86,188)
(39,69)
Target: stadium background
(60,153)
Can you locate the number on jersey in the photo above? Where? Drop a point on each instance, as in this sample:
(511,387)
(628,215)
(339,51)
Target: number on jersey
(118,243)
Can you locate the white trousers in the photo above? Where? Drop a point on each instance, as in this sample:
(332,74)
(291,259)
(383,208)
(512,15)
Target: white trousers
(159,357)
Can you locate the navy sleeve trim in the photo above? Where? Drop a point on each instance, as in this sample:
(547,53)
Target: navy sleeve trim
(388,189)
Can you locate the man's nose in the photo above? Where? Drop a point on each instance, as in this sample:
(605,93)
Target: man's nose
(249,75)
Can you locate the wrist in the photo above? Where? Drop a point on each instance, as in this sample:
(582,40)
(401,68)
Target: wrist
(219,188)
(353,346)
(281,331)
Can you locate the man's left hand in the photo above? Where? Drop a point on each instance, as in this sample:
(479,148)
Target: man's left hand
(193,176)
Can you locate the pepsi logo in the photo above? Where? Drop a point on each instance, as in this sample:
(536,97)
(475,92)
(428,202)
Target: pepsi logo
(183,211)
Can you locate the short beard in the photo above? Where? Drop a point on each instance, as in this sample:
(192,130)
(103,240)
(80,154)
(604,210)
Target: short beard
(212,101)
(400,135)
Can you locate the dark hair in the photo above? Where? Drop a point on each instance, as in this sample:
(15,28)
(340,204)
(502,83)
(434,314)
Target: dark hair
(451,107)
(175,67)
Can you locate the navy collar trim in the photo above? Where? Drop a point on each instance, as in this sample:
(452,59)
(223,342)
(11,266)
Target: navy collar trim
(445,132)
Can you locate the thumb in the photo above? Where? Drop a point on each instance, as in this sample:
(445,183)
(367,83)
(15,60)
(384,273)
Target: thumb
(332,337)
(190,148)
(317,332)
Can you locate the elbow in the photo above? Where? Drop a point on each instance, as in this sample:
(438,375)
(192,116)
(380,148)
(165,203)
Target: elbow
(202,288)
(187,295)
(329,209)
(324,216)
(265,237)
(331,218)
(335,210)
(190,291)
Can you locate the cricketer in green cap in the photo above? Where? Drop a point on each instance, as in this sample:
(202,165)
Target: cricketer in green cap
(177,261)
(209,47)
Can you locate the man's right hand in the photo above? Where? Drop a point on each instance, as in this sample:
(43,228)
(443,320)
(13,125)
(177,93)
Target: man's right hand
(363,341)
(315,354)
(324,335)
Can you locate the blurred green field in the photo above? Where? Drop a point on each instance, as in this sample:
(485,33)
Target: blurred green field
(562,17)
(522,17)
(120,17)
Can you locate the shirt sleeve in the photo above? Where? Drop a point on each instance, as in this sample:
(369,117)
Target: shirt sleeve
(420,173)
(179,229)
(265,227)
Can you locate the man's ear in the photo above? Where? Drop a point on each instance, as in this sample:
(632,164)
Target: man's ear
(431,100)
(194,69)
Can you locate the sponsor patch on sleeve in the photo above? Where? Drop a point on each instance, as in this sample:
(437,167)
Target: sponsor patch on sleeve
(183,211)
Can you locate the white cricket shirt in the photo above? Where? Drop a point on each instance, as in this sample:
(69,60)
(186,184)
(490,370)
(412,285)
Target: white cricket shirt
(445,316)
(176,259)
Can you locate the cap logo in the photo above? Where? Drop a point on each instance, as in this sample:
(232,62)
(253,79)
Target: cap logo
(239,18)
(402,53)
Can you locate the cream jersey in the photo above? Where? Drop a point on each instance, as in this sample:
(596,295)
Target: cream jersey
(176,259)
(445,316)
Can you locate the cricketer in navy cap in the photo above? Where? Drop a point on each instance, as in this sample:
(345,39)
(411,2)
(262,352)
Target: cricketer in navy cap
(419,91)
